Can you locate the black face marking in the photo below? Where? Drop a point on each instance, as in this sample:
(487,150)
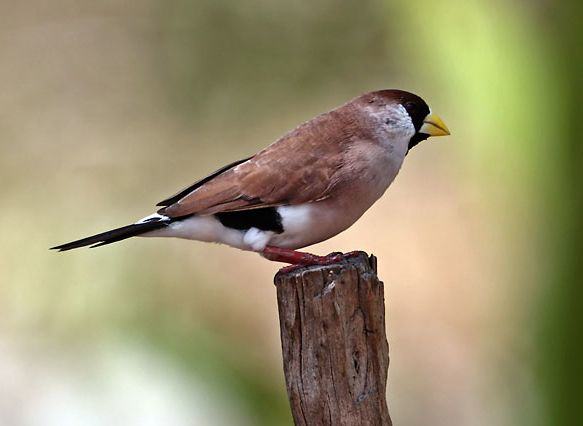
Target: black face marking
(417,137)
(417,110)
(266,219)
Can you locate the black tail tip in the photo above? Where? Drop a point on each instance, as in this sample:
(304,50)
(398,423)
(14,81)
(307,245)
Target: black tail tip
(113,235)
(61,248)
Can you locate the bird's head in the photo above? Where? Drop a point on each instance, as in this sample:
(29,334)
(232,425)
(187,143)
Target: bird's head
(405,114)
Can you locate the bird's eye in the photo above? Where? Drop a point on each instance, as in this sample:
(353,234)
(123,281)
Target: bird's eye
(410,106)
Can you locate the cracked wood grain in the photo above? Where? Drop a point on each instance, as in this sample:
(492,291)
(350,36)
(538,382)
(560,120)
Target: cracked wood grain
(335,350)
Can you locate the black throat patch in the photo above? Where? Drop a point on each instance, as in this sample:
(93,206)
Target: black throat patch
(417,137)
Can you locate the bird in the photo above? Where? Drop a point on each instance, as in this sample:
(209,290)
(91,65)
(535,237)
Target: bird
(306,187)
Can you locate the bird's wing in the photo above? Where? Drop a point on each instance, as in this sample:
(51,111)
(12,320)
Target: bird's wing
(300,167)
(184,192)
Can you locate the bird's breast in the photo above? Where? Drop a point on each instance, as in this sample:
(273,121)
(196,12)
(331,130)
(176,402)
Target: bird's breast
(368,171)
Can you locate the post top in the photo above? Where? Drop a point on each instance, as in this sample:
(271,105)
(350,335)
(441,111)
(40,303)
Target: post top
(355,259)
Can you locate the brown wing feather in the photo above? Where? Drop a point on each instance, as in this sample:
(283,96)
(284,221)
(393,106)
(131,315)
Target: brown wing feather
(298,168)
(184,192)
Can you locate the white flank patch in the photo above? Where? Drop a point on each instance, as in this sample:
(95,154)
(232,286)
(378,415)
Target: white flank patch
(257,239)
(295,218)
(301,228)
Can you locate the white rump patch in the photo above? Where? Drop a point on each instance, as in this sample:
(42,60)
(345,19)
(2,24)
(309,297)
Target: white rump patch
(156,216)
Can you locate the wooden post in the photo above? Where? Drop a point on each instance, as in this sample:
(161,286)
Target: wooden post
(335,350)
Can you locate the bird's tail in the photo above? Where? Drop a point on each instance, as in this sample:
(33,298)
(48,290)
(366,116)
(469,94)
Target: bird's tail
(145,225)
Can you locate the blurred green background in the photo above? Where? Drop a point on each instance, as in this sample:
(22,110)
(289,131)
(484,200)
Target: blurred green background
(107,107)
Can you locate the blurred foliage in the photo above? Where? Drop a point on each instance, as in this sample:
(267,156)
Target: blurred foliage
(560,309)
(251,56)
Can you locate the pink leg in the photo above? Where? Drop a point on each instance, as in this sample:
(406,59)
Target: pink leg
(293,257)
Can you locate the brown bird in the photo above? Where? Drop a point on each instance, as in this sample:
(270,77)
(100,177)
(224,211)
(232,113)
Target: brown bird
(306,187)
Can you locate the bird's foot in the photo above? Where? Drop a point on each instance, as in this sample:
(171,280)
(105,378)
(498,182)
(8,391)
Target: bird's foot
(298,259)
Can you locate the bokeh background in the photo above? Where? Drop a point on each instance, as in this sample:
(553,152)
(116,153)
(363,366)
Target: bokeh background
(107,107)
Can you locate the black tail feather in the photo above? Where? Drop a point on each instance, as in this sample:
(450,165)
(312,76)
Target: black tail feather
(113,236)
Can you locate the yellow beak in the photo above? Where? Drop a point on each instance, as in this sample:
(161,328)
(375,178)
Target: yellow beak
(434,126)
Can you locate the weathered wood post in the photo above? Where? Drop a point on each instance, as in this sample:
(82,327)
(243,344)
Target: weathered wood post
(335,350)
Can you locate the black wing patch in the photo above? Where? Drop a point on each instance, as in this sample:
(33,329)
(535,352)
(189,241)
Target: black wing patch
(180,195)
(266,219)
